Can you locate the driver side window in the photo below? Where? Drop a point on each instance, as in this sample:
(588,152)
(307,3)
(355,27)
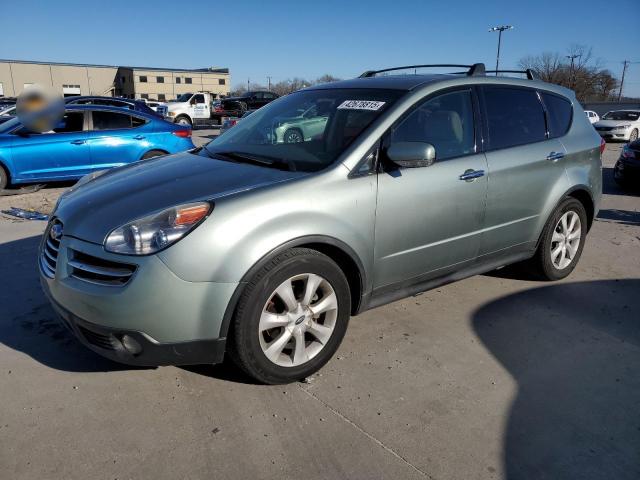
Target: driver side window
(445,121)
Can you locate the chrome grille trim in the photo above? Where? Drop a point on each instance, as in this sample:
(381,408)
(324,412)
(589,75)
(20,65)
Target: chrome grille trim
(106,271)
(99,271)
(49,253)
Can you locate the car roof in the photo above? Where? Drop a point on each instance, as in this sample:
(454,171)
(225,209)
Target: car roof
(414,81)
(99,97)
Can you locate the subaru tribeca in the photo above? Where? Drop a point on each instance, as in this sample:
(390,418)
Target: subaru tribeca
(262,249)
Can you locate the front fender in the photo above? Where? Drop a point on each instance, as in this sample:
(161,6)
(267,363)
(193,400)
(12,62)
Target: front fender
(246,227)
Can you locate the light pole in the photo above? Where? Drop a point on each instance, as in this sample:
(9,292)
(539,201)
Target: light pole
(499,29)
(571,71)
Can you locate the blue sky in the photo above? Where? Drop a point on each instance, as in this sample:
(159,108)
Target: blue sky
(309,38)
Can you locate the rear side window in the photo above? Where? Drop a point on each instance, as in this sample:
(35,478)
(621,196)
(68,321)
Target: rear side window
(114,121)
(514,117)
(559,112)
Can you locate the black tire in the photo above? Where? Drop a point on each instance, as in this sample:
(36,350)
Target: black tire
(293,135)
(4,178)
(185,119)
(541,264)
(152,154)
(633,136)
(243,343)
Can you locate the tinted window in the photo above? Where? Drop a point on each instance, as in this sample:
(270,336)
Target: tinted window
(161,97)
(178,79)
(514,117)
(160,79)
(445,121)
(187,79)
(143,78)
(110,120)
(221,81)
(559,113)
(199,98)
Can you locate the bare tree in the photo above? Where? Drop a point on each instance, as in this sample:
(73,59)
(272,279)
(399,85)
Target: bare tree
(585,75)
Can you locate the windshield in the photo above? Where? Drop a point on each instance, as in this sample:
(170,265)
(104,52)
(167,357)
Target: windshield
(308,129)
(621,115)
(184,97)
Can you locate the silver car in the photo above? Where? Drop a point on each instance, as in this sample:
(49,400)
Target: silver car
(619,125)
(262,250)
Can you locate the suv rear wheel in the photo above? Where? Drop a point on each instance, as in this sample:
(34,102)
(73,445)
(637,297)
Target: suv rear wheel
(291,317)
(562,241)
(4,178)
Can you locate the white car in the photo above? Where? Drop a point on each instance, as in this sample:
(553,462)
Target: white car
(592,116)
(619,125)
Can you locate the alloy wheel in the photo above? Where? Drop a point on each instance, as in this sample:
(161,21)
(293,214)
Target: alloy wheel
(298,320)
(565,240)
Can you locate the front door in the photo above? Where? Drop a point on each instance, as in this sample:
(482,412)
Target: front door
(60,154)
(429,220)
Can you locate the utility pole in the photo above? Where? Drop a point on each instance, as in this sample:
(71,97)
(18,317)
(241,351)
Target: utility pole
(572,79)
(248,83)
(624,70)
(499,29)
(269,80)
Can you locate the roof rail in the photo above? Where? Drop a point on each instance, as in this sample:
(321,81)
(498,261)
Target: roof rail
(531,75)
(473,70)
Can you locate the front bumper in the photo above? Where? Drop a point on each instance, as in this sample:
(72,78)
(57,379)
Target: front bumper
(174,321)
(615,134)
(137,348)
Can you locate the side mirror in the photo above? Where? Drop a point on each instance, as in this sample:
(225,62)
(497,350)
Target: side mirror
(412,154)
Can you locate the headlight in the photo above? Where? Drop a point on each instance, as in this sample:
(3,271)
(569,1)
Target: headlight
(621,127)
(154,232)
(172,114)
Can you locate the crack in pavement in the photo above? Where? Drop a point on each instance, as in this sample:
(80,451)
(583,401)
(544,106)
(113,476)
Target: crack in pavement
(365,433)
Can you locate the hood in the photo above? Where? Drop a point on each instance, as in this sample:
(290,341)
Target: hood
(124,194)
(176,105)
(613,123)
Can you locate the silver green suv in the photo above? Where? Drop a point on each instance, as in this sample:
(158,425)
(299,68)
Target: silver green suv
(262,248)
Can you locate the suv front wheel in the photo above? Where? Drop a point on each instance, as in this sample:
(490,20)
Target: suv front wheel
(562,241)
(291,317)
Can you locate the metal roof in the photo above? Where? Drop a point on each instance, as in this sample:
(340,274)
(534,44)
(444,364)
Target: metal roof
(160,69)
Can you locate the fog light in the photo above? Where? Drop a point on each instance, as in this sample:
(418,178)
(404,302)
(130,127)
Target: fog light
(131,345)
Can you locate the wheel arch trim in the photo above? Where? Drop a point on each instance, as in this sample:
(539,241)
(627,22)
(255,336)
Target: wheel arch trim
(303,241)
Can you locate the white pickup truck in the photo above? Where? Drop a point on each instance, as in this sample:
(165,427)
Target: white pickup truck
(193,109)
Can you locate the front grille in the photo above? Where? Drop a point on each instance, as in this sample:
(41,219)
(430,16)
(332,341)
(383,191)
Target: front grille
(98,270)
(604,129)
(108,342)
(50,248)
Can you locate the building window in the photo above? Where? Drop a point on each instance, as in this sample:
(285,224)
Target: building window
(187,80)
(143,78)
(161,97)
(124,79)
(145,96)
(160,79)
(178,80)
(222,81)
(1,90)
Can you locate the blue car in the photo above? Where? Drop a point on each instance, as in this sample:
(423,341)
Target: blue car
(88,138)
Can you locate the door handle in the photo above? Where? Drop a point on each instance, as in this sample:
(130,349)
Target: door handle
(471,174)
(555,156)
(78,142)
(139,137)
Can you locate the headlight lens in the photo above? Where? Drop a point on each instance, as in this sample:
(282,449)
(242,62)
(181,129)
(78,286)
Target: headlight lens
(172,114)
(154,232)
(621,127)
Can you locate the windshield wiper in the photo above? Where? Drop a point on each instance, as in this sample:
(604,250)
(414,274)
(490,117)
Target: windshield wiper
(262,160)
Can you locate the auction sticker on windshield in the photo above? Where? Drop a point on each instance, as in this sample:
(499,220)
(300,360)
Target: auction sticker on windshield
(360,105)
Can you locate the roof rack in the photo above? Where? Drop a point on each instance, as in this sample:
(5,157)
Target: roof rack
(531,75)
(477,69)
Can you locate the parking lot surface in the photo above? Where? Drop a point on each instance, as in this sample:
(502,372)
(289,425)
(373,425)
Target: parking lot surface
(493,377)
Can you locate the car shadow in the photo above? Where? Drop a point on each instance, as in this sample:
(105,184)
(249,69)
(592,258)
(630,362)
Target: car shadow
(29,324)
(574,350)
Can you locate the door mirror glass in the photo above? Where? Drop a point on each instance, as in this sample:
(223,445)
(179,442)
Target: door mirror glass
(412,154)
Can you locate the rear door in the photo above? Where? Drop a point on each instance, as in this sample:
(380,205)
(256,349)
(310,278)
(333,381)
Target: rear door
(525,166)
(117,138)
(429,220)
(60,154)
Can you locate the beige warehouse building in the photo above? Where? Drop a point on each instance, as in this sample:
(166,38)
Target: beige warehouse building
(109,80)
